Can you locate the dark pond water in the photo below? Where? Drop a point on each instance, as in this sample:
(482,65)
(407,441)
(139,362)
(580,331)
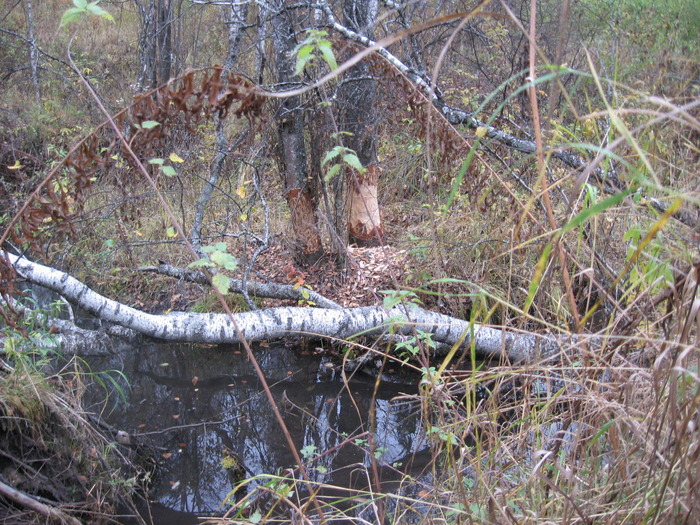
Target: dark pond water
(204,404)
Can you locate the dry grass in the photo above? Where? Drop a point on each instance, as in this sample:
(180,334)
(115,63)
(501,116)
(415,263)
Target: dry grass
(609,434)
(60,463)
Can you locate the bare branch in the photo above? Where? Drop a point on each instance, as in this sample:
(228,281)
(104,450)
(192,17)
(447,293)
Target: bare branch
(269,290)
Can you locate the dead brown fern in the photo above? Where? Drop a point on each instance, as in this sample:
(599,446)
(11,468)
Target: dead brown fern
(186,101)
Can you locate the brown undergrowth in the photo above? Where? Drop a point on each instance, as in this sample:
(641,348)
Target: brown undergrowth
(55,464)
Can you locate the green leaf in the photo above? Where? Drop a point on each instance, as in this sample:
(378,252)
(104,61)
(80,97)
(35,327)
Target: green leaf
(71,15)
(169,171)
(80,4)
(301,63)
(221,282)
(160,162)
(149,124)
(328,55)
(352,160)
(201,262)
(332,172)
(219,246)
(332,154)
(96,10)
(305,51)
(224,260)
(170,232)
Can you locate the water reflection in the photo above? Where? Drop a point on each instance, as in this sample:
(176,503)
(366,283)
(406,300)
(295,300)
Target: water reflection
(201,404)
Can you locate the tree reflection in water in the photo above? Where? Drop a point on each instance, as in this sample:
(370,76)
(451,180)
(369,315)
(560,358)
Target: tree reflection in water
(202,404)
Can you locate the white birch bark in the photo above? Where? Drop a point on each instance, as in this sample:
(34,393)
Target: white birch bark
(274,323)
(33,53)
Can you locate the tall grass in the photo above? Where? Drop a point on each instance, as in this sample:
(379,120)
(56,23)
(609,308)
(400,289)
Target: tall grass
(607,431)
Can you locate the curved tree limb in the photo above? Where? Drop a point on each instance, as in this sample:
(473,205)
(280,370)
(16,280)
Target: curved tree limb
(290,321)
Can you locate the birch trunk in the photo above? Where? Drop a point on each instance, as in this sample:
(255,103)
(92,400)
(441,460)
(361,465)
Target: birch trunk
(273,323)
(33,53)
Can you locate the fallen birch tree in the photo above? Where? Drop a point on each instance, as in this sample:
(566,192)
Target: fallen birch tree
(274,323)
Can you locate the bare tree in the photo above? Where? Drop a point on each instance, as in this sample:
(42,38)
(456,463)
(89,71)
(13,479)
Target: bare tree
(235,19)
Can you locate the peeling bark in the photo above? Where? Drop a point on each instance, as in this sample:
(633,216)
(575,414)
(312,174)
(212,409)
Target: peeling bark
(364,222)
(273,323)
(306,236)
(359,119)
(292,146)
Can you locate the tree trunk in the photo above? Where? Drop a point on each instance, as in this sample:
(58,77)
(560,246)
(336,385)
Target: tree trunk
(336,324)
(33,54)
(359,119)
(292,145)
(364,223)
(155,43)
(235,20)
(164,32)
